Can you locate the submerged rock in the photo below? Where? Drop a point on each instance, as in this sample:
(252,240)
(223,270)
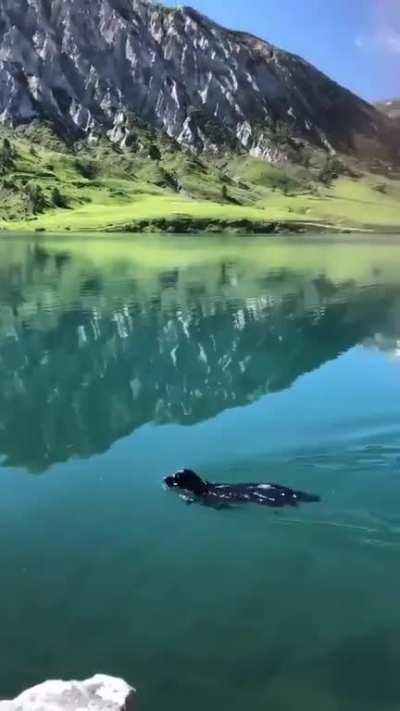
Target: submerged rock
(101,693)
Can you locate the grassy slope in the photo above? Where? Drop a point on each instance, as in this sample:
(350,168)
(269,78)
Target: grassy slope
(129,187)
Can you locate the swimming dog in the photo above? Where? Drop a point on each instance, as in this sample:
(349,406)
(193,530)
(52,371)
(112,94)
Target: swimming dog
(194,489)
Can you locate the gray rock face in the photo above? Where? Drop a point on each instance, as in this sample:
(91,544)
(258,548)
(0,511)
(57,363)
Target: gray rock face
(88,65)
(390,107)
(101,693)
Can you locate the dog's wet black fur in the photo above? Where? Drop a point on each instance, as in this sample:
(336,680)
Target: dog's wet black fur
(195,489)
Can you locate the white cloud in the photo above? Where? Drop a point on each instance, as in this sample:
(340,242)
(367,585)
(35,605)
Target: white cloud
(384,40)
(390,41)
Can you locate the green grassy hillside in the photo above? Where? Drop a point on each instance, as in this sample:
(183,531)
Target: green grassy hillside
(154,186)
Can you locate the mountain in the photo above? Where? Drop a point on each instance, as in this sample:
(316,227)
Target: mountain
(390,107)
(97,67)
(124,115)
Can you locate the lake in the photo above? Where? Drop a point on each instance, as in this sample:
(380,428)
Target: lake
(245,359)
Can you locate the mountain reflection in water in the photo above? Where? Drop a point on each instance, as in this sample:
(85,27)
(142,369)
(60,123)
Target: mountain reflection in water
(89,352)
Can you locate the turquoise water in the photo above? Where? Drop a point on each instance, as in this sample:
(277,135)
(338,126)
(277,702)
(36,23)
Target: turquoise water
(122,360)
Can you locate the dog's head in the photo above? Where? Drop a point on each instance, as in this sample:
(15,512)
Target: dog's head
(187,480)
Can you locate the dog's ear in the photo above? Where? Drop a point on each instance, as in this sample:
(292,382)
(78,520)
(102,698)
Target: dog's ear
(189,473)
(187,480)
(192,482)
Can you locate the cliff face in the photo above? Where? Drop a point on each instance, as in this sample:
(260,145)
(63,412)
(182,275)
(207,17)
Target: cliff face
(390,107)
(94,65)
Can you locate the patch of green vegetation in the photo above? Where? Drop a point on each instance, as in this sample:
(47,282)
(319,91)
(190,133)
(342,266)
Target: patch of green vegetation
(152,185)
(264,175)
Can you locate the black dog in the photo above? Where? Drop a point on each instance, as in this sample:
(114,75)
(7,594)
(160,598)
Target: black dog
(194,489)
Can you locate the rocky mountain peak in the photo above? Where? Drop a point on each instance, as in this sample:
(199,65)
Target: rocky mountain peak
(93,66)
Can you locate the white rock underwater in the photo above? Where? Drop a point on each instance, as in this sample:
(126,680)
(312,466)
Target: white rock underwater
(100,693)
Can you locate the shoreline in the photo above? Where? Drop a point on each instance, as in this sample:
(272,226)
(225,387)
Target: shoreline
(248,227)
(209,226)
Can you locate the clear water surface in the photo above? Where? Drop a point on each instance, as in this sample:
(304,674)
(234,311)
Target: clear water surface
(124,359)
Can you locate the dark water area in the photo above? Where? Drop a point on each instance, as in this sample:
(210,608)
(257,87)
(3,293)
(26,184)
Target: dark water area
(246,360)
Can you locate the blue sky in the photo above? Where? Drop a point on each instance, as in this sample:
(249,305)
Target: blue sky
(356,42)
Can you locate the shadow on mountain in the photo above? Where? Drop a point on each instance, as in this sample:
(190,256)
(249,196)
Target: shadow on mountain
(87,358)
